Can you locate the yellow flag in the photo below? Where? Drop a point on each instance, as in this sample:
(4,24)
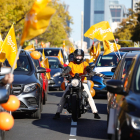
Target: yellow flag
(110,47)
(30,48)
(43,55)
(98,49)
(45,64)
(2,56)
(1,41)
(100,31)
(9,46)
(71,50)
(60,57)
(37,20)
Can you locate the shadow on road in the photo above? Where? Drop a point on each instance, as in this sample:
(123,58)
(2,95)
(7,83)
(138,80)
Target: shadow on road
(57,94)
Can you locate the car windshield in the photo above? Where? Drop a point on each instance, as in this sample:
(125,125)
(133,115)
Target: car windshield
(53,63)
(50,52)
(107,61)
(36,63)
(23,64)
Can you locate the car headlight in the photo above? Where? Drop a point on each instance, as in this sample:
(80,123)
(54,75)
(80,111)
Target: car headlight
(134,121)
(30,87)
(75,82)
(57,74)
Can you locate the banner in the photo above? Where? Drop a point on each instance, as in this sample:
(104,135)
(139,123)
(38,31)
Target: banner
(100,31)
(110,47)
(37,20)
(9,46)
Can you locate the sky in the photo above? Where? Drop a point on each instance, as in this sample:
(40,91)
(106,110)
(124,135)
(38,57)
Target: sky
(75,8)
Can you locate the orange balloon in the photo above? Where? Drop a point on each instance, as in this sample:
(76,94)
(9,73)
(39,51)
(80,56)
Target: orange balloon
(12,104)
(92,92)
(6,121)
(35,55)
(92,84)
(63,85)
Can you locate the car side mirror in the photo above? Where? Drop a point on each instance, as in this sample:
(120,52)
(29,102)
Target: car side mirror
(41,70)
(3,95)
(61,66)
(92,65)
(115,86)
(5,70)
(48,70)
(113,69)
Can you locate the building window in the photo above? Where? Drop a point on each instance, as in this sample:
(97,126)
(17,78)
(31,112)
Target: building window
(116,12)
(116,20)
(99,5)
(98,12)
(98,18)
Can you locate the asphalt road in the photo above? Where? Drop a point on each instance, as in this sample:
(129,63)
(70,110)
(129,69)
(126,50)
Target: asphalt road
(87,128)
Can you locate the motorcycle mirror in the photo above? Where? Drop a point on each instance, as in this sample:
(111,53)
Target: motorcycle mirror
(3,95)
(61,66)
(92,65)
(5,70)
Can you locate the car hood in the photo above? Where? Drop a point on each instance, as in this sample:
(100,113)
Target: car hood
(24,79)
(53,71)
(102,69)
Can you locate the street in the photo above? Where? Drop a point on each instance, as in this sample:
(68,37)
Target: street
(87,128)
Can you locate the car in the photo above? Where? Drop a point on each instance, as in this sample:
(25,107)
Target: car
(125,116)
(45,81)
(56,80)
(119,74)
(53,52)
(103,65)
(129,49)
(27,86)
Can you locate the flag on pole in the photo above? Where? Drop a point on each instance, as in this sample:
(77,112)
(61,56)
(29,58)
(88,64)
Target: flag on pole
(37,20)
(110,47)
(9,46)
(30,48)
(100,31)
(43,55)
(1,41)
(60,57)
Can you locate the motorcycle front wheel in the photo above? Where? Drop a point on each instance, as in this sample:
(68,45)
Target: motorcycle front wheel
(74,108)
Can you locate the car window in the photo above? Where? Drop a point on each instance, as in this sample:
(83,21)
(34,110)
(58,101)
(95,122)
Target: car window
(107,61)
(49,52)
(36,63)
(53,63)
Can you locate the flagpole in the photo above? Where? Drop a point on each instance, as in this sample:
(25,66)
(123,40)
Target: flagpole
(117,48)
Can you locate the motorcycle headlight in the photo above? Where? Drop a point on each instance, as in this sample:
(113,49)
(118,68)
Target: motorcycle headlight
(30,87)
(134,121)
(57,74)
(75,82)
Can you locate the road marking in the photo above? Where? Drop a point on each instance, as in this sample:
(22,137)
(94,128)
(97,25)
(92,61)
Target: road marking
(73,131)
(72,139)
(73,123)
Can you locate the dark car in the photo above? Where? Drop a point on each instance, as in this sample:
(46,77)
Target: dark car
(52,52)
(129,49)
(56,80)
(103,65)
(124,119)
(27,86)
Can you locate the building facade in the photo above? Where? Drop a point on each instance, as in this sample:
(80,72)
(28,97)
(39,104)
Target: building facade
(95,11)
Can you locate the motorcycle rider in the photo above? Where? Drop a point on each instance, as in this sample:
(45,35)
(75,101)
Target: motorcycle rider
(78,66)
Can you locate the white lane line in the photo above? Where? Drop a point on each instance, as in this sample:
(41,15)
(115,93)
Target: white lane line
(73,131)
(73,123)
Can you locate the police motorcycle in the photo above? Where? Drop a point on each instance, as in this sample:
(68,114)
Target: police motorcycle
(76,99)
(4,96)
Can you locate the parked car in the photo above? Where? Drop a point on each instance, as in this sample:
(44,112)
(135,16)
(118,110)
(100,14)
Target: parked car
(27,86)
(129,49)
(45,81)
(56,80)
(103,65)
(53,52)
(125,116)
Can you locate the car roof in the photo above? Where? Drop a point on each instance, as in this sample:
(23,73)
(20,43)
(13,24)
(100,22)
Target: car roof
(132,54)
(129,48)
(52,57)
(49,48)
(121,53)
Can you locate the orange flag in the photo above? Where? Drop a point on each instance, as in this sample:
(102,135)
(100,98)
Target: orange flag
(110,47)
(60,57)
(43,55)
(37,20)
(30,48)
(9,46)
